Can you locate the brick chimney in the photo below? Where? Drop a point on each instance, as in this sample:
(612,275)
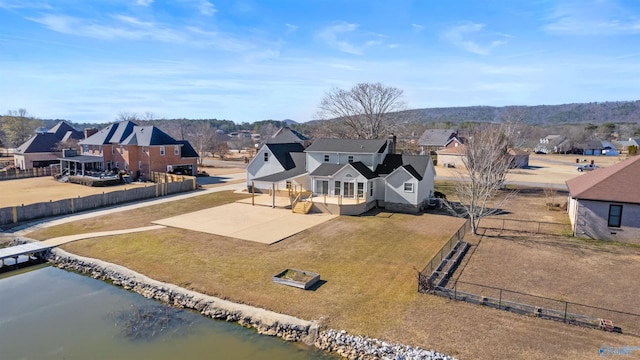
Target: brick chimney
(89,131)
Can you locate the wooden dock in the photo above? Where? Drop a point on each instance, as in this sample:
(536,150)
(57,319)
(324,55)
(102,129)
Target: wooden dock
(34,249)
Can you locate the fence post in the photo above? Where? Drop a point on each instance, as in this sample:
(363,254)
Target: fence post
(538,227)
(500,301)
(566,304)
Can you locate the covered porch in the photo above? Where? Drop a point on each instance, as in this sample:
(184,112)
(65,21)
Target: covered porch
(83,165)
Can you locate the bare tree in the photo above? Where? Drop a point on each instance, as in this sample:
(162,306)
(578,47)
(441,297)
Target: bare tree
(18,126)
(364,108)
(201,136)
(487,161)
(127,116)
(550,194)
(219,145)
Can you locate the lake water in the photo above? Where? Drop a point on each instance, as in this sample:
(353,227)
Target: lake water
(48,313)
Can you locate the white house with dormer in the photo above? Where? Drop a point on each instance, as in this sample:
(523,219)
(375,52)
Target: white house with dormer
(347,176)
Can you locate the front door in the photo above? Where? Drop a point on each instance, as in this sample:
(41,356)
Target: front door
(348,189)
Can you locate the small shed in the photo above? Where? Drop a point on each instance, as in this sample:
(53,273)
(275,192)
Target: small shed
(519,157)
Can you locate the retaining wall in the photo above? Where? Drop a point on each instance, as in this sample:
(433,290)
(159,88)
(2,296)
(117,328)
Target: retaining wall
(265,322)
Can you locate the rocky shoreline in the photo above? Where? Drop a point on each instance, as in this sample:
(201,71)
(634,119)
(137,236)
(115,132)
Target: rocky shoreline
(265,322)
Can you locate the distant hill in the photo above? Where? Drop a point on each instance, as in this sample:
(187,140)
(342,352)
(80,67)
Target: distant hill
(290,122)
(594,113)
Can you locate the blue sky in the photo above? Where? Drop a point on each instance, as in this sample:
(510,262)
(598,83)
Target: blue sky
(89,60)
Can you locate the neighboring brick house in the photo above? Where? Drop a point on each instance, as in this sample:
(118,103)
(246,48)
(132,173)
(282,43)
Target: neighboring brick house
(605,203)
(137,150)
(42,149)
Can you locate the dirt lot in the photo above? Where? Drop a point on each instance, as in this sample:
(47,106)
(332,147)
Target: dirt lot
(561,268)
(34,190)
(546,169)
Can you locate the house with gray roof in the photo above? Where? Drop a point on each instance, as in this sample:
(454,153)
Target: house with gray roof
(44,149)
(433,140)
(286,135)
(138,150)
(345,176)
(605,203)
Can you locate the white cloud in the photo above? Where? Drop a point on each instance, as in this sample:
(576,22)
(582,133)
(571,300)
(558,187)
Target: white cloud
(21,4)
(417,27)
(207,8)
(593,18)
(291,28)
(129,28)
(132,21)
(337,36)
(144,3)
(471,37)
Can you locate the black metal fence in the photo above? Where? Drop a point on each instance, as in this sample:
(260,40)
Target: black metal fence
(446,248)
(528,226)
(543,307)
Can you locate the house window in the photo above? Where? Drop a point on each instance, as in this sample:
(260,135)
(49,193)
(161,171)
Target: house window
(371,190)
(360,190)
(350,158)
(161,150)
(113,149)
(326,158)
(176,150)
(288,184)
(139,165)
(85,148)
(117,167)
(121,150)
(408,187)
(266,156)
(142,149)
(336,188)
(615,215)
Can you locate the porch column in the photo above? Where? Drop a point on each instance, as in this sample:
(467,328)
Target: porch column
(273,195)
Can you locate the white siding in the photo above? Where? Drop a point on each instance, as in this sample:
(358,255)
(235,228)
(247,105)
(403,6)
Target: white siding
(592,221)
(258,167)
(425,187)
(394,190)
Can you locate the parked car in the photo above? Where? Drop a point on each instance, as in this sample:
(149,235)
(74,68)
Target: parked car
(586,167)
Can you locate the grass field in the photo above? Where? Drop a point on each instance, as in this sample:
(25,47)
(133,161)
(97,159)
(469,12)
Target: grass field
(367,264)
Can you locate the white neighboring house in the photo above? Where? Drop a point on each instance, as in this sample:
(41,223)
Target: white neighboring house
(346,176)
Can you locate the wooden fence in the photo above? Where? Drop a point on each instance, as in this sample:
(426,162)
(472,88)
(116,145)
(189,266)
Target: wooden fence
(16,214)
(20,174)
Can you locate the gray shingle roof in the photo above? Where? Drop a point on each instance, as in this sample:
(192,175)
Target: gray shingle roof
(148,136)
(286,135)
(436,137)
(299,159)
(416,165)
(283,152)
(46,142)
(327,169)
(348,146)
(112,134)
